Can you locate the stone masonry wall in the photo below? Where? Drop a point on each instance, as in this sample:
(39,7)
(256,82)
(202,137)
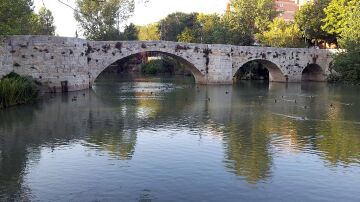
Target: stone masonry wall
(69,64)
(6,65)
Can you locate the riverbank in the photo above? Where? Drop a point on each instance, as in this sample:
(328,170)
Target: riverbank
(16,89)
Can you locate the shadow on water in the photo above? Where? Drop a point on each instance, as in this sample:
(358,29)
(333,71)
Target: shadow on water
(256,122)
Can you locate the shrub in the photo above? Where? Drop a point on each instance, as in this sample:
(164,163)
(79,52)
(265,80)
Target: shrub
(15,89)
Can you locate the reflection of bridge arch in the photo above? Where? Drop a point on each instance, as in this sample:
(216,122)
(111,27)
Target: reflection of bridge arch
(198,75)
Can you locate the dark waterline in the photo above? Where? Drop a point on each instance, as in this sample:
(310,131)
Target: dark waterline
(167,139)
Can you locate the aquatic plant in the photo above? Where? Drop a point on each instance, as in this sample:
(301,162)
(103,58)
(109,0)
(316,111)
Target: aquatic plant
(16,89)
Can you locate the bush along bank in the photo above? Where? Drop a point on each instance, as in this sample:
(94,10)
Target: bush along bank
(16,89)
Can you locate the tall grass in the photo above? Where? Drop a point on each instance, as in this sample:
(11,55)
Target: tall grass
(15,89)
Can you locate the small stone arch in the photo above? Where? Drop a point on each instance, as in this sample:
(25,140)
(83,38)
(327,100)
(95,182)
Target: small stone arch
(313,72)
(198,75)
(275,72)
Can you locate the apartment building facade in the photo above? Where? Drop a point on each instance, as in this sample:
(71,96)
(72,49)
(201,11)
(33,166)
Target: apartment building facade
(288,8)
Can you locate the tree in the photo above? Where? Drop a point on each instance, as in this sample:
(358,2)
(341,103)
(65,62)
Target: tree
(247,17)
(188,36)
(347,63)
(149,32)
(15,16)
(265,14)
(175,23)
(130,32)
(43,23)
(281,34)
(336,17)
(310,21)
(100,20)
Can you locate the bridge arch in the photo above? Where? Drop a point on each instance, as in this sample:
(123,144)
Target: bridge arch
(274,71)
(102,64)
(313,72)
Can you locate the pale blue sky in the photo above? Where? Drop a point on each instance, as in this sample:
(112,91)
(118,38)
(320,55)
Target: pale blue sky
(144,13)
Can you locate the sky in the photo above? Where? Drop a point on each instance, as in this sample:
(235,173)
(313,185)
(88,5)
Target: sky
(147,13)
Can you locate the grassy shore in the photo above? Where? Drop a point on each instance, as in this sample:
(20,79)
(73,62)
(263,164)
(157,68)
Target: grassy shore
(15,89)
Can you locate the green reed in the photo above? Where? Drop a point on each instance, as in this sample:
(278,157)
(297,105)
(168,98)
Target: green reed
(15,89)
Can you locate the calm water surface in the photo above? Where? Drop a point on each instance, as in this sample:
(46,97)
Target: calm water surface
(170,140)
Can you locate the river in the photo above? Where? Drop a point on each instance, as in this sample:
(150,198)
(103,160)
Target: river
(168,139)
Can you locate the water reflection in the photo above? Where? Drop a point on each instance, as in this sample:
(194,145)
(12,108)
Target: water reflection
(256,124)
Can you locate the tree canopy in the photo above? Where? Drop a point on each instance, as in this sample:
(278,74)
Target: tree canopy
(100,20)
(281,34)
(18,18)
(15,16)
(149,32)
(310,21)
(43,23)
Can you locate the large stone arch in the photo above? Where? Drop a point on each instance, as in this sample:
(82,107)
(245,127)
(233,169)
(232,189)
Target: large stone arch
(275,72)
(102,54)
(199,77)
(313,72)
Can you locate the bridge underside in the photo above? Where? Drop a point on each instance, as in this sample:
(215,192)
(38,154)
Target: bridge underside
(73,64)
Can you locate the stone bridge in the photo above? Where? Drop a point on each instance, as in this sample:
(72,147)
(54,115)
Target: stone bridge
(69,64)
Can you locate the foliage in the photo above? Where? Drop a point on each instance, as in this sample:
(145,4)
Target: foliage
(174,24)
(211,29)
(310,21)
(188,35)
(130,33)
(15,89)
(15,17)
(281,34)
(164,65)
(239,25)
(336,16)
(265,14)
(43,23)
(348,63)
(149,32)
(235,31)
(152,67)
(100,20)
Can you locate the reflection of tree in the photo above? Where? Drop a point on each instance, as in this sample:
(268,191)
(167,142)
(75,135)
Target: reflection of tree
(12,168)
(250,157)
(340,140)
(119,145)
(14,153)
(247,147)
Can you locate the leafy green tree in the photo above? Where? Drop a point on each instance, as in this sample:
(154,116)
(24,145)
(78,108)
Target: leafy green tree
(15,16)
(130,32)
(310,21)
(43,23)
(247,17)
(347,63)
(188,36)
(265,13)
(210,29)
(281,34)
(336,16)
(149,32)
(175,23)
(100,20)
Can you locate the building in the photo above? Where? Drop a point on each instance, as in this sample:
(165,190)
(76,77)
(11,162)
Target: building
(288,8)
